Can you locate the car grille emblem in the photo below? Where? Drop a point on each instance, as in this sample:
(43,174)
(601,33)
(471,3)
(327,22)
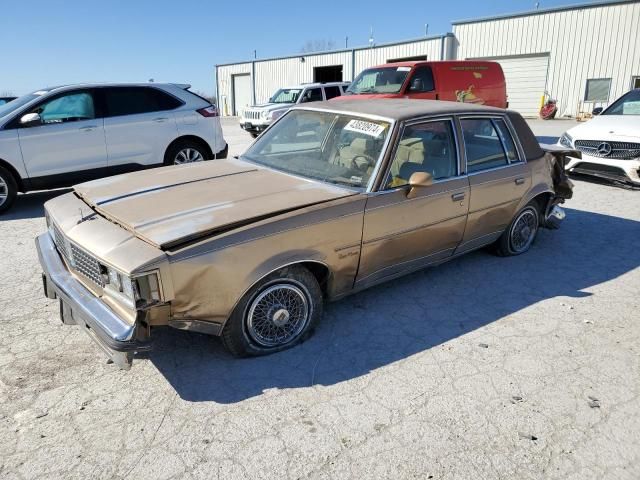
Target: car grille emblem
(604,149)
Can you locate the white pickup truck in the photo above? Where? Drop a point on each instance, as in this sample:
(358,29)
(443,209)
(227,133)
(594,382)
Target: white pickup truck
(256,118)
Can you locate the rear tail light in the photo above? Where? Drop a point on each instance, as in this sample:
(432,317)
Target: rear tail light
(210,111)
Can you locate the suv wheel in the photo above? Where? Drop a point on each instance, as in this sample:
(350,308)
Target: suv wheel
(8,189)
(184,152)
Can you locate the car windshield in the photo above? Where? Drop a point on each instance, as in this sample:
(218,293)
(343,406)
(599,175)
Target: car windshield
(325,146)
(19,102)
(286,95)
(628,104)
(380,80)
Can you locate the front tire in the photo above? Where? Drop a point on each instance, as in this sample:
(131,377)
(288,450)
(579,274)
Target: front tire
(522,231)
(8,189)
(185,151)
(277,313)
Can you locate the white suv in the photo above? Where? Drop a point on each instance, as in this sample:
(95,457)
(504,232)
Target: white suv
(60,136)
(257,118)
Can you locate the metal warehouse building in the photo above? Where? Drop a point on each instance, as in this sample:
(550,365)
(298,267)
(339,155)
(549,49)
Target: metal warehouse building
(583,55)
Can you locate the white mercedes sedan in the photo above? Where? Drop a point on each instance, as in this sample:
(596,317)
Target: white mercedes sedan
(610,142)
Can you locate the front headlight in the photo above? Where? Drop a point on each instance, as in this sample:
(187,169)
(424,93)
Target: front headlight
(137,292)
(276,114)
(566,140)
(265,114)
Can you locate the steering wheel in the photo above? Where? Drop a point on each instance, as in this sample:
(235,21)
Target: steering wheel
(363,167)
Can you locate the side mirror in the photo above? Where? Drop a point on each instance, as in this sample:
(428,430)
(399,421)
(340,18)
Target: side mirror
(30,119)
(597,111)
(419,180)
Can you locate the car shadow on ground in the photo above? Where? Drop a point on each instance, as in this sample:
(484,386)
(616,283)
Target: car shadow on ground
(393,321)
(31,205)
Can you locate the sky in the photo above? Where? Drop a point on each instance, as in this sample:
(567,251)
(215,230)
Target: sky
(53,42)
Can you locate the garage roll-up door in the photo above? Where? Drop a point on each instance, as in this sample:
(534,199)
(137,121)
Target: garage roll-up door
(526,81)
(241,92)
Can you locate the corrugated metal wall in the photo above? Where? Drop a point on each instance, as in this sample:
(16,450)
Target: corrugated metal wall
(273,74)
(369,57)
(595,42)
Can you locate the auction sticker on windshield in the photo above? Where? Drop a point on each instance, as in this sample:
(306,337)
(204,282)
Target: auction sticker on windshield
(368,128)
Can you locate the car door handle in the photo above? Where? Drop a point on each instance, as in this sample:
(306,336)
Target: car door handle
(88,128)
(456,197)
(160,119)
(519,181)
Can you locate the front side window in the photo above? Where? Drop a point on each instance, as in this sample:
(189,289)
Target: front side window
(286,95)
(136,100)
(597,90)
(325,146)
(380,80)
(67,108)
(628,104)
(483,145)
(427,147)
(312,95)
(422,80)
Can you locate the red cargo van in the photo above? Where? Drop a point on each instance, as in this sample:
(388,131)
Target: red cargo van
(467,81)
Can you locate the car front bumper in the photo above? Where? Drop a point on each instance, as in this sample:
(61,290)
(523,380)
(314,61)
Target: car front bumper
(252,126)
(608,168)
(78,306)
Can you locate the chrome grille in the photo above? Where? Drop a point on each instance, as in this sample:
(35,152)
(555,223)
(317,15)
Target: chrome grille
(78,260)
(86,265)
(61,243)
(251,114)
(619,150)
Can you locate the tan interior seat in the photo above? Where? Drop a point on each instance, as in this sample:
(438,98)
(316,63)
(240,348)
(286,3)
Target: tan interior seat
(409,150)
(359,146)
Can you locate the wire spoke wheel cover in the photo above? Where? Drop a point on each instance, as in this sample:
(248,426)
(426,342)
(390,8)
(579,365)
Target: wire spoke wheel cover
(188,155)
(4,191)
(523,231)
(278,315)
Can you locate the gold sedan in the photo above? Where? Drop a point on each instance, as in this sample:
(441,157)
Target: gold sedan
(333,198)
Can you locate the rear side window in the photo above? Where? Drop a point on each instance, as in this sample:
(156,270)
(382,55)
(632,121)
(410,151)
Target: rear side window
(483,145)
(507,140)
(422,80)
(135,100)
(331,92)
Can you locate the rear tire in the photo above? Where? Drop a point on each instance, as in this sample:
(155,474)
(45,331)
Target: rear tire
(185,151)
(280,311)
(8,189)
(521,233)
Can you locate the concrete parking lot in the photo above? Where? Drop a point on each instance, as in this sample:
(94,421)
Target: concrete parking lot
(482,368)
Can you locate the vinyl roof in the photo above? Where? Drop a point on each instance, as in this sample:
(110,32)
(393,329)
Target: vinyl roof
(399,109)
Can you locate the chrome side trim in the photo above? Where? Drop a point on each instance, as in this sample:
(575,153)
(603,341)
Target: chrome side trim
(478,242)
(420,263)
(412,229)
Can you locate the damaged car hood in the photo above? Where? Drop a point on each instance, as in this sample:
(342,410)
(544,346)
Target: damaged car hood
(172,205)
